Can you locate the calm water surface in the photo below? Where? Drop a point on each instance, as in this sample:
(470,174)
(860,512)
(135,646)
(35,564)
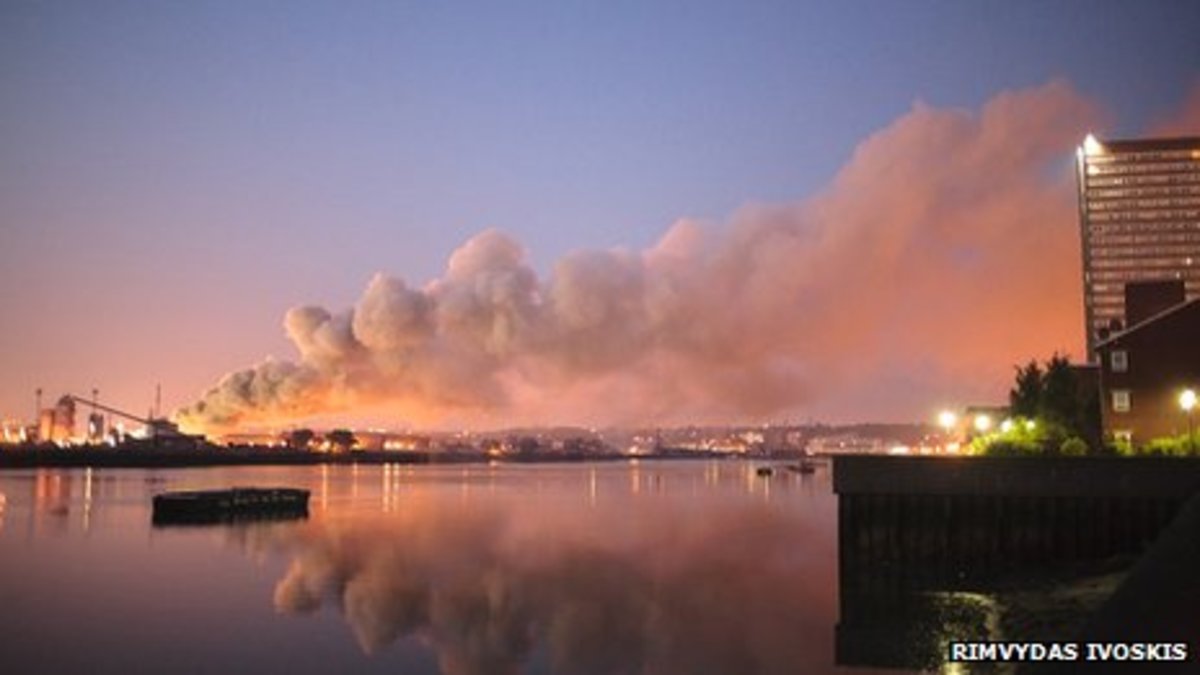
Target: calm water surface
(651,567)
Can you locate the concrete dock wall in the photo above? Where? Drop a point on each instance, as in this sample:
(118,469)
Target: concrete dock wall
(947,522)
(1167,477)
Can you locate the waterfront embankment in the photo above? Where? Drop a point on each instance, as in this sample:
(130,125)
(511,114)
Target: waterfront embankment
(151,457)
(937,520)
(1036,544)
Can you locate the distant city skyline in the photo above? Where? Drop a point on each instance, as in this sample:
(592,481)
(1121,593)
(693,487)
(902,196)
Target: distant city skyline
(174,179)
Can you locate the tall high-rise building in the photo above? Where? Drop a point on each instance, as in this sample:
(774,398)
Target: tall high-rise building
(1139,212)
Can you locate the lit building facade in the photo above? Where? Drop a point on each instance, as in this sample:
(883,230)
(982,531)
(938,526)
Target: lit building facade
(57,424)
(1139,212)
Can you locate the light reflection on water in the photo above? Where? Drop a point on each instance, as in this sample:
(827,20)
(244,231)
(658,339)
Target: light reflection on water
(653,567)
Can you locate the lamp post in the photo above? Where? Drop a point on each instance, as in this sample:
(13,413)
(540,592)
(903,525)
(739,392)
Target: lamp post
(946,420)
(1187,401)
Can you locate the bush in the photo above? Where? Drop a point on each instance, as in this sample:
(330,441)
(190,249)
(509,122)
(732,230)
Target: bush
(1073,447)
(1002,447)
(1042,438)
(1119,447)
(1019,441)
(1177,446)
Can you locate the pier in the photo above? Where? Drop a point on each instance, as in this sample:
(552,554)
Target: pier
(936,520)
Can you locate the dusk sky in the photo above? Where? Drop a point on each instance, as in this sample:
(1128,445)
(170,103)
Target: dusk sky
(842,211)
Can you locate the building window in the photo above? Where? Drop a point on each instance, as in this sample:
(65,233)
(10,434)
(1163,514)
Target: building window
(1120,400)
(1120,360)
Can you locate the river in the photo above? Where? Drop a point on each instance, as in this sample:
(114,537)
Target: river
(617,567)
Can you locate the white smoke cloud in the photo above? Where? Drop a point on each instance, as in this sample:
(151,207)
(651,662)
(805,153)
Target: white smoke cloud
(943,252)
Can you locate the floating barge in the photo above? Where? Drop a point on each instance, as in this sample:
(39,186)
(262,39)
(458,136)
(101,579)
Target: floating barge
(805,467)
(217,506)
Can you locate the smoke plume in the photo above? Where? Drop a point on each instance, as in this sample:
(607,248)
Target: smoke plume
(942,253)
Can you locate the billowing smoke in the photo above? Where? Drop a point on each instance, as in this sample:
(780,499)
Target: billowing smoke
(945,251)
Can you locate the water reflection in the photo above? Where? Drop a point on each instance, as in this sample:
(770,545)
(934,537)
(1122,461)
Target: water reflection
(912,630)
(917,572)
(653,567)
(496,586)
(204,519)
(87,499)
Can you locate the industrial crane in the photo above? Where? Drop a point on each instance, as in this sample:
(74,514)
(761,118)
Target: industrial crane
(156,427)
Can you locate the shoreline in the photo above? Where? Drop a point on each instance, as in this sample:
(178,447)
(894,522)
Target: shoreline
(159,457)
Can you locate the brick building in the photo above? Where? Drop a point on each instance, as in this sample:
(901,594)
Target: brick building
(1145,368)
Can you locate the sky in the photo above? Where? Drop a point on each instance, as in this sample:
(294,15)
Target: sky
(189,190)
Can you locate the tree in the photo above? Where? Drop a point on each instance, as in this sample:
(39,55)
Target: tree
(1060,394)
(342,439)
(1053,394)
(1025,398)
(299,439)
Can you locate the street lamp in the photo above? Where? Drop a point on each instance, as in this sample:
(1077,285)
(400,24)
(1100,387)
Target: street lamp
(947,420)
(1187,401)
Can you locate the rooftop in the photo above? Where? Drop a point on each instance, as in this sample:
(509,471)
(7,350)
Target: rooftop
(1175,309)
(1142,144)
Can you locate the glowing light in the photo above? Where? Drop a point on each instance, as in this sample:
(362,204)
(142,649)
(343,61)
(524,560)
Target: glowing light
(1187,400)
(1006,426)
(1030,425)
(947,420)
(1091,146)
(983,423)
